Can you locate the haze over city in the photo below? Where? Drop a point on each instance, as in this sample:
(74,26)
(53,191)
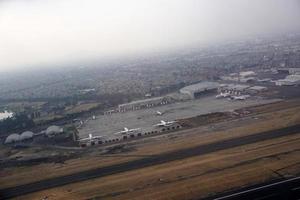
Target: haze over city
(149,99)
(53,32)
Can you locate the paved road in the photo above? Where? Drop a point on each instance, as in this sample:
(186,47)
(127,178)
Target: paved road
(147,161)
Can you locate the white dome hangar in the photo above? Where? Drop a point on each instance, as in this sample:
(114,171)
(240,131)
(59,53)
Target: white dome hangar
(26,135)
(53,130)
(12,138)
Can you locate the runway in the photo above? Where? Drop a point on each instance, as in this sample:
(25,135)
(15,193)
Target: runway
(284,189)
(147,161)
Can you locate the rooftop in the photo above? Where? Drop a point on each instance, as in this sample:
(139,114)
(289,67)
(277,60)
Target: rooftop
(247,73)
(292,78)
(258,88)
(200,86)
(144,100)
(237,86)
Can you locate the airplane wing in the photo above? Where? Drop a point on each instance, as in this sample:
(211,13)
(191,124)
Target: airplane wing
(84,139)
(120,132)
(134,129)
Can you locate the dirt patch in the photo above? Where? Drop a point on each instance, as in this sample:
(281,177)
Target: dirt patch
(123,148)
(205,119)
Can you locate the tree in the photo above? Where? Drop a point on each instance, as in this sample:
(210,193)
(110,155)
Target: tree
(17,123)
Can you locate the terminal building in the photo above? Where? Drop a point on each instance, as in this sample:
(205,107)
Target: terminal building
(145,103)
(199,89)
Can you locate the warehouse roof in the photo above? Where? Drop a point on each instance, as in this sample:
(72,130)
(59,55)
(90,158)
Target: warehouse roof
(26,135)
(247,73)
(52,130)
(200,87)
(12,138)
(237,86)
(258,88)
(145,100)
(293,78)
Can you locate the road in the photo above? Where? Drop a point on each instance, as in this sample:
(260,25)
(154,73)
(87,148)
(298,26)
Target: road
(147,161)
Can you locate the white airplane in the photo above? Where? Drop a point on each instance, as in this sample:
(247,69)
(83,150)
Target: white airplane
(164,123)
(126,130)
(221,95)
(91,137)
(242,97)
(159,113)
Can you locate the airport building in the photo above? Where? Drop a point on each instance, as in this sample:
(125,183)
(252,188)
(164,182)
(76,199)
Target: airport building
(12,138)
(26,135)
(288,70)
(146,103)
(289,80)
(256,89)
(53,131)
(246,74)
(130,136)
(236,89)
(243,77)
(199,89)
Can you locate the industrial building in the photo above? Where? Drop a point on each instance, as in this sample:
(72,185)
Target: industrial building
(239,89)
(246,74)
(26,135)
(288,70)
(53,130)
(289,80)
(256,89)
(233,88)
(244,77)
(247,79)
(146,103)
(199,89)
(12,138)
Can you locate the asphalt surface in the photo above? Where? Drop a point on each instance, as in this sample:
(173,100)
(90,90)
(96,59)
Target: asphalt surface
(146,162)
(284,189)
(107,125)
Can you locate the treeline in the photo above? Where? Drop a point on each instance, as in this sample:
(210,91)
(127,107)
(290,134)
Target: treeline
(19,122)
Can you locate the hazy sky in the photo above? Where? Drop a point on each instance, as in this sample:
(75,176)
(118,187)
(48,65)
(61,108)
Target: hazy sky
(46,32)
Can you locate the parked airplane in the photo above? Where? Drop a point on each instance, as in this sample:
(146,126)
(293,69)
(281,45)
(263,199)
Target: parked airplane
(159,113)
(91,137)
(164,123)
(242,97)
(126,130)
(221,95)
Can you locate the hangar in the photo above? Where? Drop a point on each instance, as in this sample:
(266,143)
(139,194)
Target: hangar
(290,80)
(12,138)
(53,130)
(146,103)
(199,89)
